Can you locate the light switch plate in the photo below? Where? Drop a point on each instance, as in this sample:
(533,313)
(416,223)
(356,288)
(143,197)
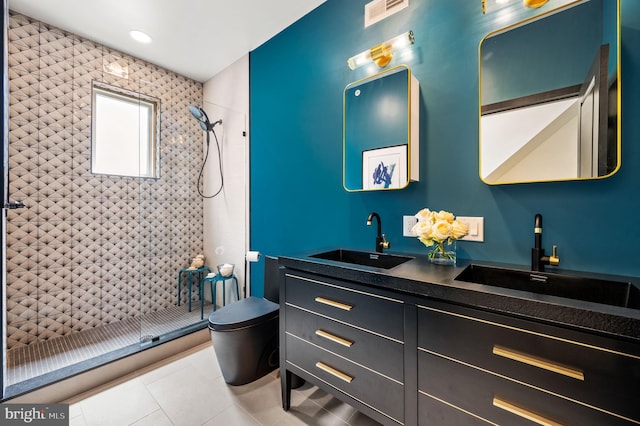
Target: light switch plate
(407,225)
(476,228)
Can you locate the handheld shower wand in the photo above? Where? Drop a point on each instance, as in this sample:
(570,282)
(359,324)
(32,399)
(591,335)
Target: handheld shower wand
(199,114)
(203,120)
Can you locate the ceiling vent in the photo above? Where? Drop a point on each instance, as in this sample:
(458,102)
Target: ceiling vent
(377,10)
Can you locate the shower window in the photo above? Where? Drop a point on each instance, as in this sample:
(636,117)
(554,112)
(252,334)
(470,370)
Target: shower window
(124,132)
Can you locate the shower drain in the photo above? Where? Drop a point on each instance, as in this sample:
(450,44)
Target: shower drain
(149,338)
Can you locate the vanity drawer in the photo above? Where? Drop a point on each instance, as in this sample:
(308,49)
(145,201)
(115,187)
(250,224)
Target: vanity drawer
(359,308)
(378,353)
(496,399)
(433,412)
(378,392)
(541,356)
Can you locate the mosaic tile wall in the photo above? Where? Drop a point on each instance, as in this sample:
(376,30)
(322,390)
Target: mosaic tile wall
(91,249)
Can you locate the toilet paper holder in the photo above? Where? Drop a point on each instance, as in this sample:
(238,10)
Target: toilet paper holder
(252,256)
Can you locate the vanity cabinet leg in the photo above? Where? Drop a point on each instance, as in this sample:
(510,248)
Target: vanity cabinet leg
(285,380)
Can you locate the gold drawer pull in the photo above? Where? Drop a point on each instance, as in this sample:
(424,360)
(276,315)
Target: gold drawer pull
(335,339)
(339,374)
(524,413)
(538,362)
(333,303)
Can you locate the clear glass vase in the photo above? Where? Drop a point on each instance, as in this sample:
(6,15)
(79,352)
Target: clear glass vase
(443,253)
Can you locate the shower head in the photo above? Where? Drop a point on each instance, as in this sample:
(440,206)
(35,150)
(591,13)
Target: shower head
(199,114)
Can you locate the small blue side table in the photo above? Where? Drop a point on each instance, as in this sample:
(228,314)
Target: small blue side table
(213,281)
(200,273)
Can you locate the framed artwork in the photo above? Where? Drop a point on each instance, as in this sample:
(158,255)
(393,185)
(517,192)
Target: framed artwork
(384,167)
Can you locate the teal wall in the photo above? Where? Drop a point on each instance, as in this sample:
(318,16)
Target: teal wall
(297,201)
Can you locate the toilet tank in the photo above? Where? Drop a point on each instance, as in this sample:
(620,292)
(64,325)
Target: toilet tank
(271,279)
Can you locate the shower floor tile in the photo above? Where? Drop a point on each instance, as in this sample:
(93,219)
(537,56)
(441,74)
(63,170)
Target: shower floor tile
(30,362)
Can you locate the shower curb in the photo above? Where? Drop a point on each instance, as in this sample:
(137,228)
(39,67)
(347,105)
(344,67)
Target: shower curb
(69,388)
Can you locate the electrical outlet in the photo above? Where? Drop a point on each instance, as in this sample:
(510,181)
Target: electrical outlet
(476,228)
(407,225)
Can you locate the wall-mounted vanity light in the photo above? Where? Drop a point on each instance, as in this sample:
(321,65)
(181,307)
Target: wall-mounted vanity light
(534,3)
(490,5)
(382,53)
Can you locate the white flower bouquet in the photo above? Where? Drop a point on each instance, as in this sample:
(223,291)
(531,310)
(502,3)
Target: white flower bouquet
(439,230)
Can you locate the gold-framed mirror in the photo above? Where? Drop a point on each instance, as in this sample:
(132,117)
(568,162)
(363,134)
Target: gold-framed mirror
(550,96)
(381,131)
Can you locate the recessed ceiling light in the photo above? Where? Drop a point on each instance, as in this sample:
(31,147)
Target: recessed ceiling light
(140,36)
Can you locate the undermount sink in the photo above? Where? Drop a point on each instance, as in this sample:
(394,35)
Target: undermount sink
(596,290)
(378,260)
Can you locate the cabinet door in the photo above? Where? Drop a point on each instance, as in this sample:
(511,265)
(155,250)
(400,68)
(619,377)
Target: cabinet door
(571,364)
(376,391)
(433,411)
(499,400)
(336,300)
(373,351)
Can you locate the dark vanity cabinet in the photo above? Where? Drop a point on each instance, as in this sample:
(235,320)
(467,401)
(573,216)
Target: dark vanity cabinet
(346,339)
(478,365)
(404,358)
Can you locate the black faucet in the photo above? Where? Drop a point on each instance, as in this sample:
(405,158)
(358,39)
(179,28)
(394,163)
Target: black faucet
(538,259)
(381,241)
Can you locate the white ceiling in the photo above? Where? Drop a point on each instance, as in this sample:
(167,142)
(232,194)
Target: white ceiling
(195,38)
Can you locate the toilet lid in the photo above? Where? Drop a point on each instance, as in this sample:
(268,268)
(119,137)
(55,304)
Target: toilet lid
(243,313)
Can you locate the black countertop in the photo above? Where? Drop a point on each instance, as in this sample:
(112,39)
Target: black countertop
(418,277)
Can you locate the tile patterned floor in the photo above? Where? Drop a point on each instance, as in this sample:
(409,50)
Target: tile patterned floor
(29,362)
(190,391)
